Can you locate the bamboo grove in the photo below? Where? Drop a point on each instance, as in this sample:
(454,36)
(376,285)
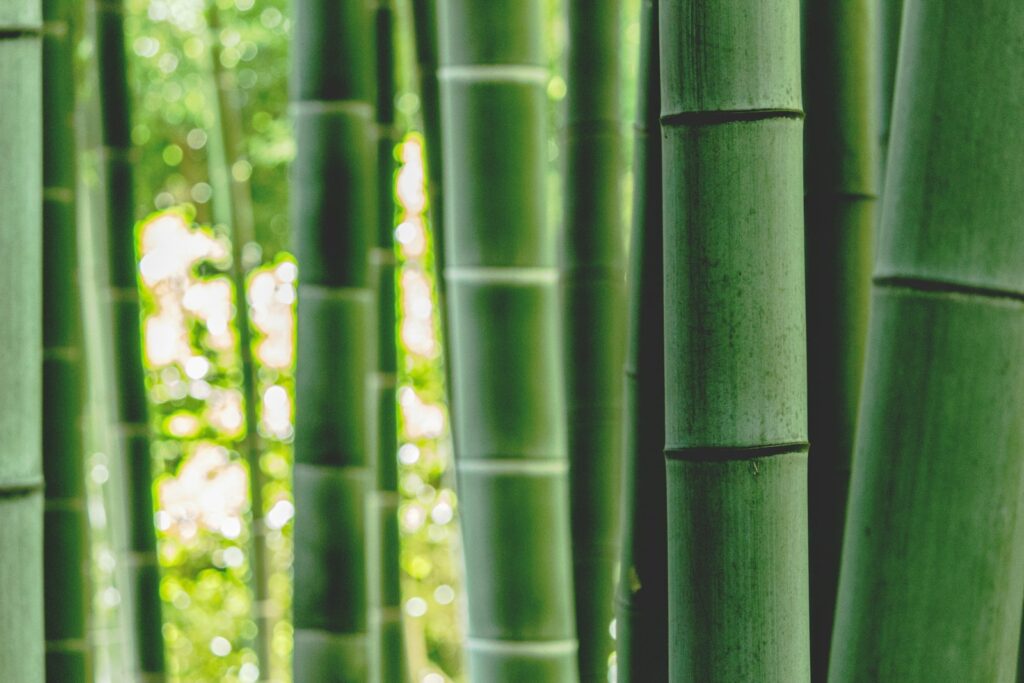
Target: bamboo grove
(723,302)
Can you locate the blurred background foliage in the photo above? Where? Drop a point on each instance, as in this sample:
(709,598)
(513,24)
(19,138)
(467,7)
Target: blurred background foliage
(191,341)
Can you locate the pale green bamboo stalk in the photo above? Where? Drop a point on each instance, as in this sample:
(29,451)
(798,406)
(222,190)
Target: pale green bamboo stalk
(122,294)
(21,425)
(933,557)
(736,381)
(592,263)
(503,304)
(65,524)
(333,217)
(243,232)
(387,644)
(839,206)
(641,614)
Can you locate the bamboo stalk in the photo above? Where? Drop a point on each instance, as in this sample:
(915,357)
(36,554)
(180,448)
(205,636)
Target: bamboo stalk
(641,614)
(592,263)
(735,400)
(889,17)
(65,524)
(243,232)
(21,475)
(334,216)
(426,37)
(387,642)
(503,313)
(933,558)
(839,205)
(131,410)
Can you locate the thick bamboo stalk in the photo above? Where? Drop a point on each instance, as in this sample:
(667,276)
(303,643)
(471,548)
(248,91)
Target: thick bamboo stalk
(65,524)
(839,206)
(735,400)
(131,410)
(641,614)
(503,314)
(21,473)
(333,218)
(933,558)
(592,261)
(387,644)
(243,232)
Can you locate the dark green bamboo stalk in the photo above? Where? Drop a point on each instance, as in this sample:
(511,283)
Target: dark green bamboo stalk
(21,473)
(334,205)
(503,313)
(426,37)
(641,614)
(387,643)
(65,524)
(592,261)
(933,557)
(243,232)
(131,411)
(888,17)
(736,381)
(839,206)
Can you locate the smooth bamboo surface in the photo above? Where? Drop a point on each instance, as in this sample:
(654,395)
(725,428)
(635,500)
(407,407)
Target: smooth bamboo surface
(65,525)
(641,613)
(131,410)
(503,309)
(592,264)
(243,231)
(735,402)
(387,644)
(21,339)
(839,209)
(888,19)
(334,202)
(933,558)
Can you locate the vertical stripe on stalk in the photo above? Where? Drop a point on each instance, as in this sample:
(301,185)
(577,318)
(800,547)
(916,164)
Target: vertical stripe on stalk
(592,260)
(65,524)
(839,206)
(933,557)
(21,474)
(333,218)
(735,400)
(131,410)
(503,303)
(888,20)
(641,614)
(387,653)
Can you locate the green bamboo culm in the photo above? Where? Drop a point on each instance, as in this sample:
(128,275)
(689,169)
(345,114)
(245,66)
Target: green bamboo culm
(334,203)
(131,410)
(592,263)
(425,36)
(387,643)
(641,611)
(933,557)
(65,525)
(735,375)
(839,213)
(243,233)
(502,293)
(21,340)
(888,18)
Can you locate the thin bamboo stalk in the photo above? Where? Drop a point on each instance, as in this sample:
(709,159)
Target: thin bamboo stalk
(889,17)
(65,524)
(387,642)
(592,263)
(839,206)
(503,314)
(21,474)
(426,36)
(736,382)
(641,614)
(333,216)
(933,557)
(131,410)
(243,232)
